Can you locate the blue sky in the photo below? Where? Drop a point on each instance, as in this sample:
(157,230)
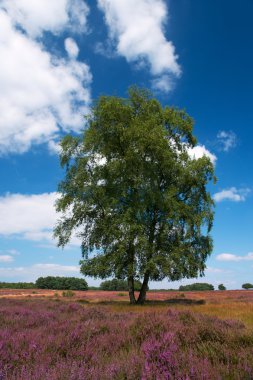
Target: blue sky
(57,56)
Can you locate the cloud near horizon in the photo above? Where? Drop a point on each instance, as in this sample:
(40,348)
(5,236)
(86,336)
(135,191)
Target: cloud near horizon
(32,272)
(232,257)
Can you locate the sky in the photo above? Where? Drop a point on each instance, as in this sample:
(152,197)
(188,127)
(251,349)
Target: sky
(58,56)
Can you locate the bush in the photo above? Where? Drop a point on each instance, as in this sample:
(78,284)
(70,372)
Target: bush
(116,284)
(196,287)
(221,287)
(247,286)
(68,293)
(61,283)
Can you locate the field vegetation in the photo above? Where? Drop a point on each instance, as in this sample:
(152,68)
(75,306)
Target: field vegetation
(99,335)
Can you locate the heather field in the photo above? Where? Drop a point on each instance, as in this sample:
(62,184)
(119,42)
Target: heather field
(97,335)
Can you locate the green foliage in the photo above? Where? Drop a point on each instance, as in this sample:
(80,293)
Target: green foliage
(68,293)
(196,287)
(61,283)
(221,287)
(136,198)
(247,286)
(116,284)
(17,285)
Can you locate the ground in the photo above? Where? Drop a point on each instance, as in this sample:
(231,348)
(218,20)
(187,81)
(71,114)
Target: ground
(97,335)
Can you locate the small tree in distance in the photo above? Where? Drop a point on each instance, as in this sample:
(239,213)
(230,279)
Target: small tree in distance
(221,287)
(247,286)
(138,200)
(202,286)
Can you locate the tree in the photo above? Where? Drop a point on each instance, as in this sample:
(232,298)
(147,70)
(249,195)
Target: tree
(138,201)
(199,286)
(61,283)
(221,287)
(247,286)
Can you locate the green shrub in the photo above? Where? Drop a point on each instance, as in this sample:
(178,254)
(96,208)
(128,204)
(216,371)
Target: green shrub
(221,287)
(68,293)
(196,287)
(247,286)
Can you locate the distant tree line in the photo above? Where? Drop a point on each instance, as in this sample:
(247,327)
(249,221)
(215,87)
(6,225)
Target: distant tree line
(61,283)
(74,283)
(17,285)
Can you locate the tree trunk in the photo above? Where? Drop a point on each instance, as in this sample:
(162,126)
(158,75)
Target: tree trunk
(130,281)
(143,292)
(130,278)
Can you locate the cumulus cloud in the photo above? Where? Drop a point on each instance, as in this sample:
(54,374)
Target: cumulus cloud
(31,217)
(232,257)
(35,17)
(200,151)
(41,94)
(71,48)
(54,147)
(137,30)
(227,140)
(27,215)
(232,194)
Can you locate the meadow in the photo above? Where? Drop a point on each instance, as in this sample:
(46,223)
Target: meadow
(98,335)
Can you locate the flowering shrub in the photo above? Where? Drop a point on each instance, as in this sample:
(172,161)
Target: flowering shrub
(49,340)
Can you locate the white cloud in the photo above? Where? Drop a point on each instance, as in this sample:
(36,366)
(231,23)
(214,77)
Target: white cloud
(137,29)
(31,217)
(32,272)
(6,259)
(27,215)
(54,147)
(200,151)
(35,17)
(227,140)
(41,94)
(232,257)
(163,83)
(232,194)
(57,267)
(71,48)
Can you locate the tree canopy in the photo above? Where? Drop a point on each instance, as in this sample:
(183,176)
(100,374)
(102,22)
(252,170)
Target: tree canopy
(136,199)
(247,285)
(116,284)
(198,286)
(61,283)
